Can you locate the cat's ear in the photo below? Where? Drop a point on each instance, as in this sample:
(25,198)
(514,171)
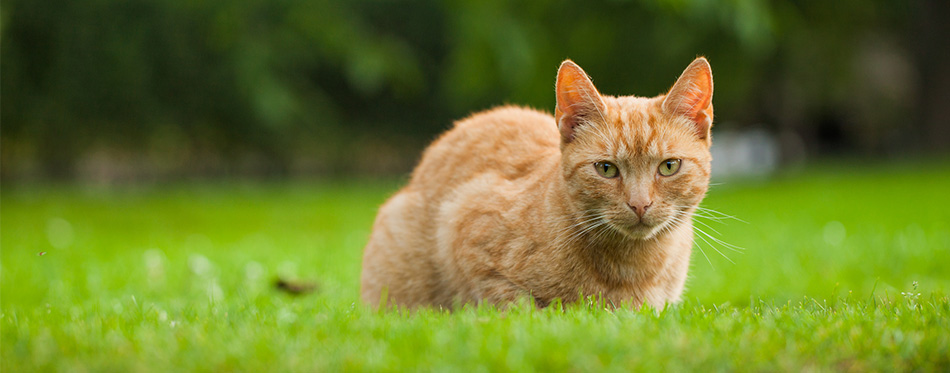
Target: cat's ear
(577,99)
(691,96)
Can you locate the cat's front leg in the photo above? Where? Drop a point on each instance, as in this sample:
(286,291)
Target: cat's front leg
(501,291)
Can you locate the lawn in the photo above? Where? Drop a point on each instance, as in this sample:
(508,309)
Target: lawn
(843,267)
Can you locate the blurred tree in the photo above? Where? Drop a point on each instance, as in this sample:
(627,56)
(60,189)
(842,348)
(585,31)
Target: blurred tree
(271,87)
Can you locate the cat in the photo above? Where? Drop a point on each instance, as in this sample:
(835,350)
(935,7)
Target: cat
(513,202)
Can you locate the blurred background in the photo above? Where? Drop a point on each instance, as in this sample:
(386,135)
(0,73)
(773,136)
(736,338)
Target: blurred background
(141,91)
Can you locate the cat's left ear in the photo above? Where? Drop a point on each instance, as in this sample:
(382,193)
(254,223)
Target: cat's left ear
(577,100)
(691,97)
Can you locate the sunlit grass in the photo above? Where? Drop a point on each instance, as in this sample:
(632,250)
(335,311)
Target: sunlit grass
(843,267)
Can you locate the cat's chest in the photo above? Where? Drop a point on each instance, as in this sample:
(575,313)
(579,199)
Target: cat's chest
(566,276)
(613,293)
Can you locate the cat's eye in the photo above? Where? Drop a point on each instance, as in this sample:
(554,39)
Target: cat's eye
(669,167)
(606,169)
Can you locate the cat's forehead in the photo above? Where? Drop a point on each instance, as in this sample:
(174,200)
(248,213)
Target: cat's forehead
(631,109)
(638,129)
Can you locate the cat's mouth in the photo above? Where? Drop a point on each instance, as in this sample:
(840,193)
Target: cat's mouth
(646,229)
(638,230)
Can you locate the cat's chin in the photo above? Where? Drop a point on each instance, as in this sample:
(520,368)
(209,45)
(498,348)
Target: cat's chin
(638,231)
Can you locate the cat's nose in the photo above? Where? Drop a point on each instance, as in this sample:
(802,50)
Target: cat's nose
(640,207)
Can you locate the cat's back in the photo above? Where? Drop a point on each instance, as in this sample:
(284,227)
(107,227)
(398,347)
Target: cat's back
(483,161)
(509,142)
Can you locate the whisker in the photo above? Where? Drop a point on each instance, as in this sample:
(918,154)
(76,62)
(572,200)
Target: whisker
(582,221)
(725,244)
(599,234)
(729,246)
(571,217)
(712,246)
(597,220)
(700,247)
(724,215)
(679,217)
(716,219)
(708,226)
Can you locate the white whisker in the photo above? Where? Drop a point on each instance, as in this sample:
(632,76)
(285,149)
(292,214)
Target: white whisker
(708,226)
(705,256)
(712,246)
(703,236)
(727,245)
(724,215)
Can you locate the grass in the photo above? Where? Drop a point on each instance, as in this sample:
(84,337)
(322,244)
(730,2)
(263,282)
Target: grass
(844,268)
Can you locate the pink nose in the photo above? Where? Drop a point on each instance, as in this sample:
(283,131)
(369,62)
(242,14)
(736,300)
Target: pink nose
(640,208)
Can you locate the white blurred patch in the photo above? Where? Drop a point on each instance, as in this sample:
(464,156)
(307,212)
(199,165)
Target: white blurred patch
(911,237)
(154,265)
(215,293)
(287,269)
(744,153)
(286,316)
(199,264)
(834,233)
(59,232)
(253,271)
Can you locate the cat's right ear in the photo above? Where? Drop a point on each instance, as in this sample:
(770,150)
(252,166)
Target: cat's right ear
(577,99)
(691,97)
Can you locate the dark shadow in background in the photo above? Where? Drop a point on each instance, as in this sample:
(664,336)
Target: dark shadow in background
(117,91)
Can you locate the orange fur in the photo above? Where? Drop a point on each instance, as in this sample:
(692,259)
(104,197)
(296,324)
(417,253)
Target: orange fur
(509,204)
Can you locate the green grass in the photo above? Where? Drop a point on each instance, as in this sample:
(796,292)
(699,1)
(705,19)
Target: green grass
(179,278)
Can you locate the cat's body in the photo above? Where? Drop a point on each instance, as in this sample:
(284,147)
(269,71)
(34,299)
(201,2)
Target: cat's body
(511,203)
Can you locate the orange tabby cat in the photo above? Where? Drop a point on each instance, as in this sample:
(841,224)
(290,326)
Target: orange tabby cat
(513,202)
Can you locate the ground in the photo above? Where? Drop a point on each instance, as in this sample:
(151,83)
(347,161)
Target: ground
(843,267)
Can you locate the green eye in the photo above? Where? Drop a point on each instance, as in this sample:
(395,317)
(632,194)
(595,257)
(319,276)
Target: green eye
(669,167)
(606,169)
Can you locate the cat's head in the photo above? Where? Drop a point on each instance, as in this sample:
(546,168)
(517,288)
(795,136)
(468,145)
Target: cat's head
(636,165)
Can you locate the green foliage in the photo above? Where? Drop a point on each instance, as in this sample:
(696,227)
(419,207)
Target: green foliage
(178,81)
(843,269)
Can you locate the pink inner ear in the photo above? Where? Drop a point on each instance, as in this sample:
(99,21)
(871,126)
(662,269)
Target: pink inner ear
(691,96)
(576,96)
(697,107)
(695,95)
